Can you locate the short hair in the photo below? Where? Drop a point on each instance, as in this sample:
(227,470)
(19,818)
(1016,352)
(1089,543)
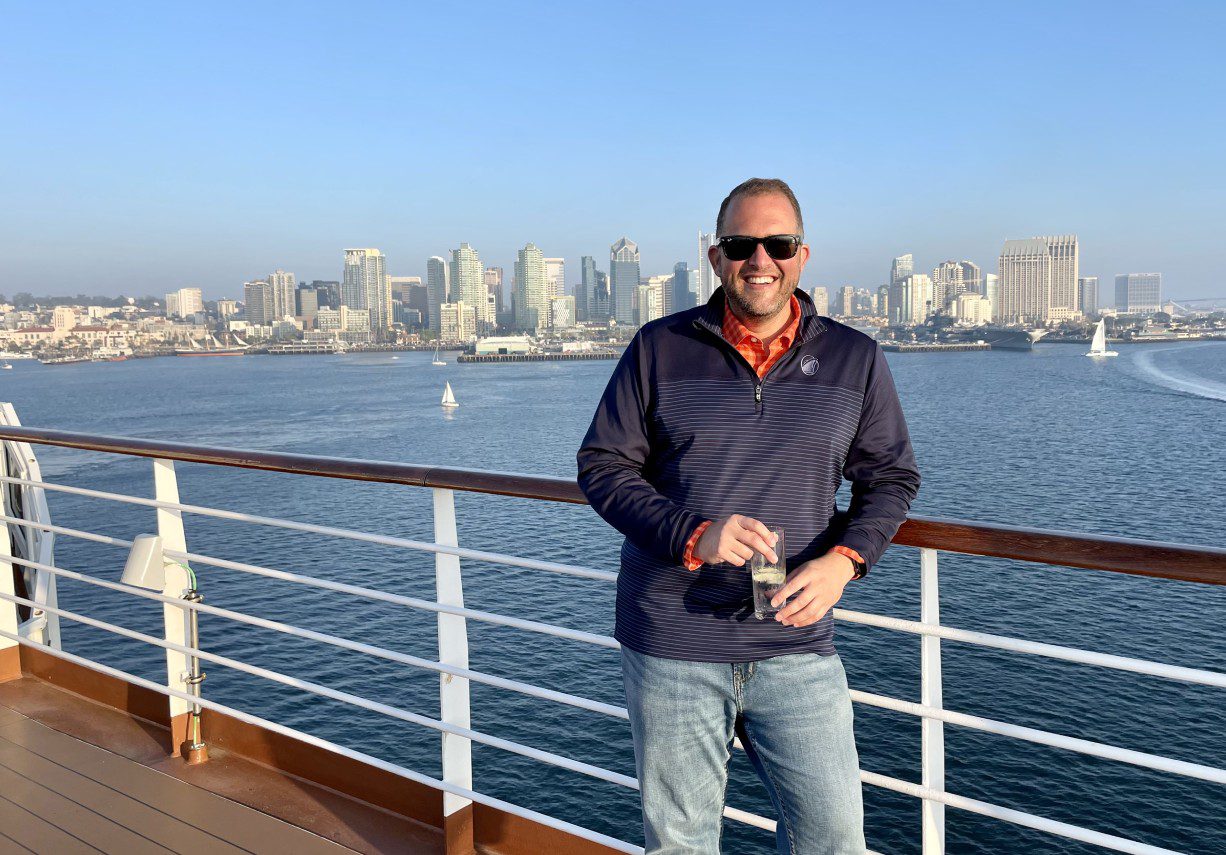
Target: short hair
(759,187)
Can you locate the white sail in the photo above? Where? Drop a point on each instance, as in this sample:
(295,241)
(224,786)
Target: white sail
(1098,347)
(437,361)
(239,341)
(449,397)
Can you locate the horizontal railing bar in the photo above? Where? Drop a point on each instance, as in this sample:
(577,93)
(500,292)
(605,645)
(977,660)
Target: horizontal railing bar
(487,617)
(329,531)
(1038,648)
(396,769)
(345,697)
(874,779)
(1017,817)
(1069,549)
(1044,737)
(70,532)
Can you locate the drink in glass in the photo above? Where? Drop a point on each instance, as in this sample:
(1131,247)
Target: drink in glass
(768,577)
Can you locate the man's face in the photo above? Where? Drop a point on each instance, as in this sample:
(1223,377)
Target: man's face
(760,287)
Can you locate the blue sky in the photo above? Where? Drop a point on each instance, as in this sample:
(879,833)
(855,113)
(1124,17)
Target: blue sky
(147,147)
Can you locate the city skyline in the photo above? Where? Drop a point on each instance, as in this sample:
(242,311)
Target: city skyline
(126,175)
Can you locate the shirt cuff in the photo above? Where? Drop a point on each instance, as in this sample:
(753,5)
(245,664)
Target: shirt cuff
(691,561)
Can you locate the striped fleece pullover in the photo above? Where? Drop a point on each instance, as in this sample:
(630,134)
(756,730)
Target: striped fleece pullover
(687,432)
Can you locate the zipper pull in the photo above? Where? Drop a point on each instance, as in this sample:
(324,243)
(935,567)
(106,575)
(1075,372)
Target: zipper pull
(757,394)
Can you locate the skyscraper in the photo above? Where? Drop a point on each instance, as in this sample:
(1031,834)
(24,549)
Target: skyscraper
(707,280)
(915,298)
(283,285)
(598,303)
(902,267)
(847,297)
(623,280)
(468,286)
(438,289)
(493,284)
(184,303)
(555,277)
(951,279)
(531,295)
(1087,295)
(1138,292)
(821,299)
(586,289)
(366,286)
(1038,280)
(682,296)
(258,302)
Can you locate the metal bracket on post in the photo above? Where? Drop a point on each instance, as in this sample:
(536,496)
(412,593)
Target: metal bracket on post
(453,691)
(933,733)
(177,618)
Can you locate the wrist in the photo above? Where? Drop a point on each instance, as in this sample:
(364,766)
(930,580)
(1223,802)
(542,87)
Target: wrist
(858,566)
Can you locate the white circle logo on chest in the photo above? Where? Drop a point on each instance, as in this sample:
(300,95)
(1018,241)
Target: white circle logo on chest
(809,365)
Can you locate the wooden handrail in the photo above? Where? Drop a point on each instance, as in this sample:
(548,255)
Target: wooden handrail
(1062,548)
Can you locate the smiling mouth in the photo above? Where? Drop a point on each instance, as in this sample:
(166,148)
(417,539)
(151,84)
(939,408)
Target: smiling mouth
(758,281)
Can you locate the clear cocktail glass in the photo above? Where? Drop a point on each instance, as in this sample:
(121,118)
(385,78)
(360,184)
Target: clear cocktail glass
(768,577)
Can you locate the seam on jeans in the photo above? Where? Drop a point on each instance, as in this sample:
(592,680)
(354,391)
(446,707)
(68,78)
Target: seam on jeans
(783,814)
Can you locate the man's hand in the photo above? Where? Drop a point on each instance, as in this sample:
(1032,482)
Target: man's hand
(818,584)
(734,539)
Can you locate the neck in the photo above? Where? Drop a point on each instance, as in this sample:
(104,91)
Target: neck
(765,328)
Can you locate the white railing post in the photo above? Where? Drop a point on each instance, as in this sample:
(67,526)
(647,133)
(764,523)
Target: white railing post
(178,583)
(10,654)
(453,691)
(933,734)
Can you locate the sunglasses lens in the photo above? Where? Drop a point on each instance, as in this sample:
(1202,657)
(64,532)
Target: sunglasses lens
(738,248)
(781,248)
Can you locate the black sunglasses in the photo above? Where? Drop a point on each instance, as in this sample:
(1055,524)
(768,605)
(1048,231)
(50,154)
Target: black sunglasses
(778,247)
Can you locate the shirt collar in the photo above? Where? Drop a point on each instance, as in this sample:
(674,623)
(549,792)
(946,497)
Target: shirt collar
(736,332)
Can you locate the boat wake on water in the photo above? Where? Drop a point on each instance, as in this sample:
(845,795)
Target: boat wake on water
(1188,383)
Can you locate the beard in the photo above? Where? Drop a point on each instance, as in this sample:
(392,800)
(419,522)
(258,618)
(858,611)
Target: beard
(746,304)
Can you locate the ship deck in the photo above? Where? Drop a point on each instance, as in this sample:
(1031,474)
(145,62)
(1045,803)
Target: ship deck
(60,792)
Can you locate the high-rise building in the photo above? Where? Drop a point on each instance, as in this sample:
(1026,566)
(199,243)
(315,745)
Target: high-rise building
(258,301)
(226,309)
(562,312)
(493,284)
(586,289)
(915,298)
(329,291)
(847,297)
(555,277)
(682,296)
(468,286)
(623,280)
(707,280)
(950,279)
(531,290)
(882,304)
(650,301)
(1087,295)
(457,321)
(438,288)
(283,285)
(1038,280)
(366,285)
(306,305)
(821,299)
(184,303)
(902,267)
(599,304)
(972,309)
(991,290)
(1138,292)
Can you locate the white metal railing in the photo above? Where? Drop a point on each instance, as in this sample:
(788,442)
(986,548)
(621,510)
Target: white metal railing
(454,723)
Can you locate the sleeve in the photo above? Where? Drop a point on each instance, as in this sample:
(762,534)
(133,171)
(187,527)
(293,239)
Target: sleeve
(880,466)
(612,459)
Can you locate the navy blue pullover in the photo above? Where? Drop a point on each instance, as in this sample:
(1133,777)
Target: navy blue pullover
(686,432)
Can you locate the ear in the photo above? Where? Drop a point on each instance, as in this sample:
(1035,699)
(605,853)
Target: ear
(715,255)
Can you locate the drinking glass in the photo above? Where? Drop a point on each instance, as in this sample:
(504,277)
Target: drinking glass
(768,577)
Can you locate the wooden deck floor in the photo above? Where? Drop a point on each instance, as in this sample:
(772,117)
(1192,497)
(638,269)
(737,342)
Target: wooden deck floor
(60,793)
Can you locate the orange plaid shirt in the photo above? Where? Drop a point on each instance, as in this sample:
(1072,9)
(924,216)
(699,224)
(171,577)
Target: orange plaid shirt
(762,356)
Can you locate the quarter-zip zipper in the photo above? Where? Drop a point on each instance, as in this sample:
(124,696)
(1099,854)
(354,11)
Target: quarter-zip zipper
(758,381)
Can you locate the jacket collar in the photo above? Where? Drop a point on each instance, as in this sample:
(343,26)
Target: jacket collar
(811,326)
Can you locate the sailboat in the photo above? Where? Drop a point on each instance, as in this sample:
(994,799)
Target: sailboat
(437,361)
(449,400)
(1099,346)
(8,366)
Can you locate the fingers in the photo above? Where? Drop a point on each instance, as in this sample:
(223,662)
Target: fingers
(757,537)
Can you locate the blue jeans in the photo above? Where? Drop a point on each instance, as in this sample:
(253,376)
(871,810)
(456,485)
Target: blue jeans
(793,715)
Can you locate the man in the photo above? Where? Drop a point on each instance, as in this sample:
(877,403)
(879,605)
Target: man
(718,421)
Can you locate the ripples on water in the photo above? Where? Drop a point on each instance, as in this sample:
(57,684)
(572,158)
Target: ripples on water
(1133,446)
